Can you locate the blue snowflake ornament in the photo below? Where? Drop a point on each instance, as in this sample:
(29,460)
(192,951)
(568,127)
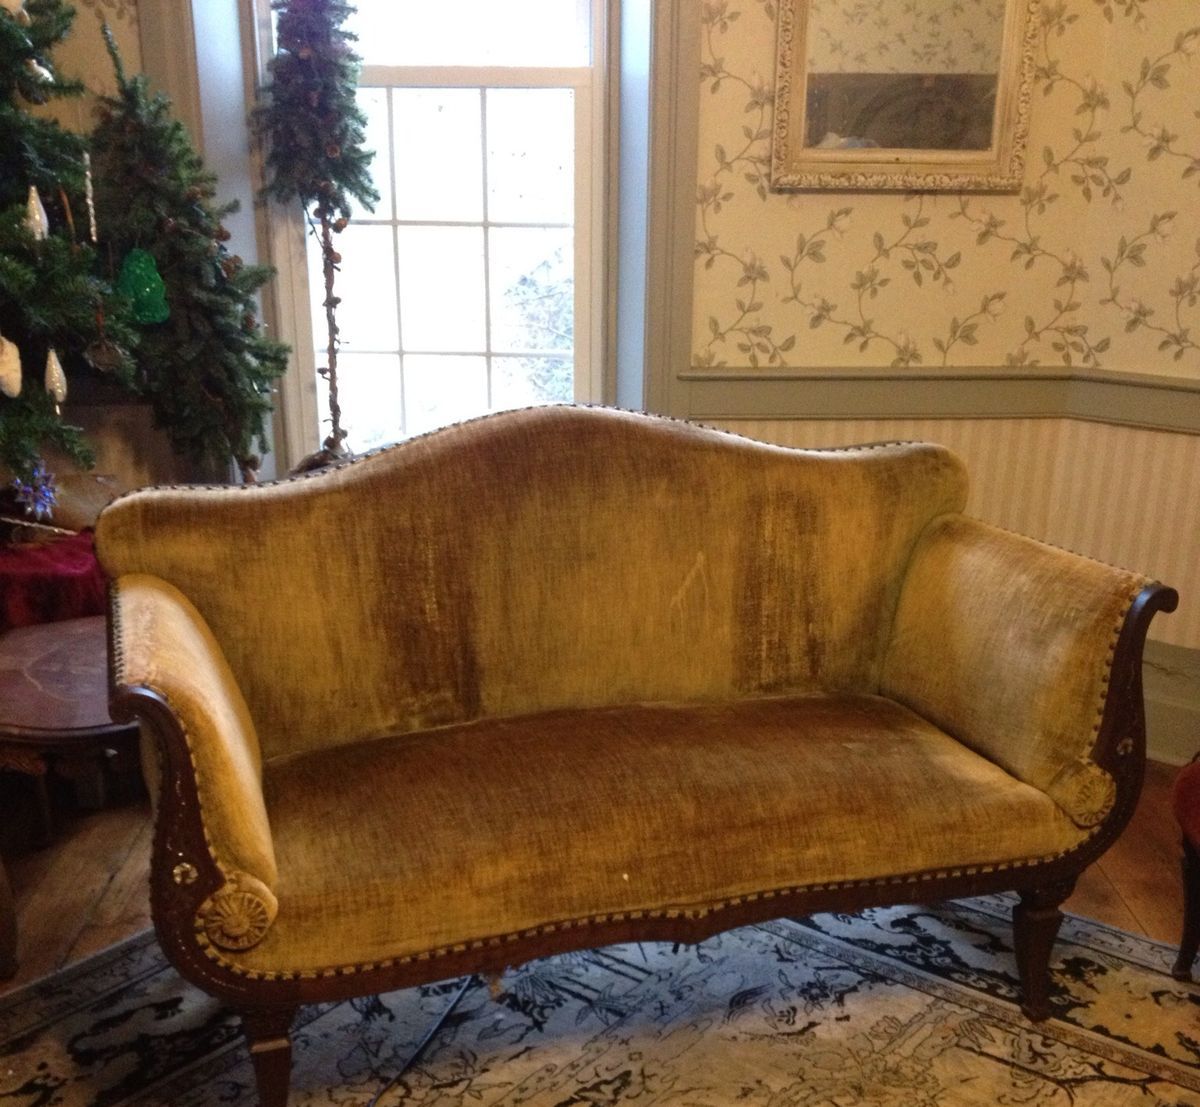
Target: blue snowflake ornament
(38,496)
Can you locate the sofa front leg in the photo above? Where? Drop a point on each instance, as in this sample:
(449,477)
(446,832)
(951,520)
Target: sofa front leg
(1036,920)
(268,1032)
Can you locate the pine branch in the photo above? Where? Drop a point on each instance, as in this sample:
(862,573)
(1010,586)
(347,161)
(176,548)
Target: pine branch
(207,369)
(50,297)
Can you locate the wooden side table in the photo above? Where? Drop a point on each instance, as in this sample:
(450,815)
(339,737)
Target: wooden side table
(53,713)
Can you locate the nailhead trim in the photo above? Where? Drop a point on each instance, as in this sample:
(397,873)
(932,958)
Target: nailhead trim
(316,474)
(584,922)
(116,645)
(120,669)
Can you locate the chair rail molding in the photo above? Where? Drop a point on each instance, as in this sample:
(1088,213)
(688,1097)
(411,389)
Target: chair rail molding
(1128,399)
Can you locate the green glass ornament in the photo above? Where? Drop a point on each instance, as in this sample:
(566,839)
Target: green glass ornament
(141,283)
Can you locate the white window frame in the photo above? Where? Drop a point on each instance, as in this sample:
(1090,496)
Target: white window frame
(299,411)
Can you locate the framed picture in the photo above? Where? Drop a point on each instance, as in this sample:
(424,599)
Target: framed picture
(923,95)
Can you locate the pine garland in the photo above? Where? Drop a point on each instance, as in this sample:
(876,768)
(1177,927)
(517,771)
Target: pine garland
(207,369)
(315,133)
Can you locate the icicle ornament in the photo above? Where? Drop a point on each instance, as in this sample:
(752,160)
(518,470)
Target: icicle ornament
(10,368)
(36,219)
(90,195)
(56,379)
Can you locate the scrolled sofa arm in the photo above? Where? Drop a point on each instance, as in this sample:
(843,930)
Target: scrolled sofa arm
(1008,645)
(168,670)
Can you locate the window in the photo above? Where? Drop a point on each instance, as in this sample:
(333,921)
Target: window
(470,287)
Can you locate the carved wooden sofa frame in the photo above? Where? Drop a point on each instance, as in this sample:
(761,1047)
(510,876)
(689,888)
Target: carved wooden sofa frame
(138,535)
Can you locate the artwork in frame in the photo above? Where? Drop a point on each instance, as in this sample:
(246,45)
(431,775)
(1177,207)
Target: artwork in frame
(929,95)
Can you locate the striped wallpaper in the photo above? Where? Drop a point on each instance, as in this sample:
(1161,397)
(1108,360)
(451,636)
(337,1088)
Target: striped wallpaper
(1125,495)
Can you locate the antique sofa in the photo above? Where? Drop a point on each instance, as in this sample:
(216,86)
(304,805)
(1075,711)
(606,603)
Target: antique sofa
(564,677)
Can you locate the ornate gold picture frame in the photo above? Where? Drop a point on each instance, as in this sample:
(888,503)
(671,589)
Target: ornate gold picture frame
(928,95)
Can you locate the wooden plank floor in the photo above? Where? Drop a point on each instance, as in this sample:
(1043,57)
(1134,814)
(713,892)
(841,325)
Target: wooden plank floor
(88,889)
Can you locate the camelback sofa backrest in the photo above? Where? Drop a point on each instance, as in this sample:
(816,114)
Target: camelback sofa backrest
(544,558)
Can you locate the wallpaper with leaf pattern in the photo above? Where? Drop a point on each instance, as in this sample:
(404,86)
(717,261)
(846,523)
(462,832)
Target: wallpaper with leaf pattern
(916,36)
(1095,263)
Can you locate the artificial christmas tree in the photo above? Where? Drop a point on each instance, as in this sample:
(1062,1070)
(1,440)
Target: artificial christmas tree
(202,359)
(53,310)
(315,133)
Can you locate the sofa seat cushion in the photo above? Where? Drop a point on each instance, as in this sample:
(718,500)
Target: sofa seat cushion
(489,828)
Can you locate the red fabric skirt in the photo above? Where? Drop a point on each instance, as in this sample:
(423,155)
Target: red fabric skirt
(46,582)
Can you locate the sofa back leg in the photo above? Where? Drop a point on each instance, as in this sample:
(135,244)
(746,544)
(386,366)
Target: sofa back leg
(8,928)
(1036,920)
(1190,941)
(268,1032)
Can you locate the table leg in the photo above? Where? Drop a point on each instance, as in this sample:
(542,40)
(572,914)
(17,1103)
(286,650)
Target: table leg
(21,759)
(8,928)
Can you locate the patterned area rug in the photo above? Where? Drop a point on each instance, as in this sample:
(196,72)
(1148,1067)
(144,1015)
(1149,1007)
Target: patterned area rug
(897,1007)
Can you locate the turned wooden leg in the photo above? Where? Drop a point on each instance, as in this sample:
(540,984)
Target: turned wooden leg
(1036,920)
(8,928)
(1190,941)
(267,1030)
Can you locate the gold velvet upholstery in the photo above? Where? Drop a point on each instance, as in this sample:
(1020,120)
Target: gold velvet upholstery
(161,643)
(563,664)
(1005,644)
(540,559)
(487,828)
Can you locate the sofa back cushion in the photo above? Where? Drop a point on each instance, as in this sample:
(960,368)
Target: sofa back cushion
(546,558)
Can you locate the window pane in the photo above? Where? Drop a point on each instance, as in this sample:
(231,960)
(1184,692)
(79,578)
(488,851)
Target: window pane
(441,390)
(531,148)
(533,289)
(524,381)
(369,393)
(441,288)
(445,120)
(373,104)
(366,283)
(472,32)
